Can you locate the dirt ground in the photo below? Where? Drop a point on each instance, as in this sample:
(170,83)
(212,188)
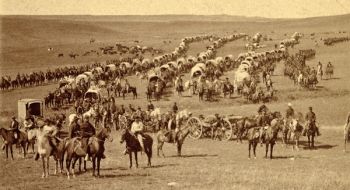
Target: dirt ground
(206,164)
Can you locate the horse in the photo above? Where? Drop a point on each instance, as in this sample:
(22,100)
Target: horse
(295,132)
(96,147)
(132,90)
(310,132)
(73,151)
(8,136)
(177,137)
(133,146)
(242,127)
(271,133)
(253,140)
(329,71)
(228,89)
(46,149)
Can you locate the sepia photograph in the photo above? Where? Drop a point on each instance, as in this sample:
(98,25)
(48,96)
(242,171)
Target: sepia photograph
(174,94)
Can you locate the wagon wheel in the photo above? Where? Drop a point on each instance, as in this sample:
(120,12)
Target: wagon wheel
(226,130)
(123,122)
(195,126)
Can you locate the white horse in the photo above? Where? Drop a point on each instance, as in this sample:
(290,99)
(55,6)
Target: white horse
(295,132)
(45,149)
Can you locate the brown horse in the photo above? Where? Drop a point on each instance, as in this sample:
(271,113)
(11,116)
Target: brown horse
(179,136)
(132,90)
(9,137)
(96,147)
(242,127)
(133,146)
(271,134)
(74,151)
(253,140)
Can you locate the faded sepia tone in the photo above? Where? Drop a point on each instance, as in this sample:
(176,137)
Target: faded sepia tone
(195,85)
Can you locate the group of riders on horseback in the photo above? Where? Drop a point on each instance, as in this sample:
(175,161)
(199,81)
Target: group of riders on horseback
(264,118)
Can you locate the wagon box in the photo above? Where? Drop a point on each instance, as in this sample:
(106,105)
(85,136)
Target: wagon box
(27,107)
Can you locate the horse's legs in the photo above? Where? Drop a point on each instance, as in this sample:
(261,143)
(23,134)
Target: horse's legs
(7,149)
(130,159)
(308,141)
(159,147)
(267,149)
(313,141)
(44,172)
(47,166)
(136,161)
(271,149)
(98,166)
(11,151)
(249,147)
(56,166)
(24,149)
(93,165)
(68,161)
(179,146)
(74,160)
(254,149)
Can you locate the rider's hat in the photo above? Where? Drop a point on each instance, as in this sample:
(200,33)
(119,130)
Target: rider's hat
(137,117)
(289,104)
(13,117)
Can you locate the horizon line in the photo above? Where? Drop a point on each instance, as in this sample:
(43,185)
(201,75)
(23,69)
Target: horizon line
(260,17)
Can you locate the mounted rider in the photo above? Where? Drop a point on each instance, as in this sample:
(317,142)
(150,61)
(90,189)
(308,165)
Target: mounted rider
(310,118)
(175,108)
(150,106)
(262,121)
(28,123)
(74,128)
(87,130)
(50,130)
(289,113)
(179,85)
(15,127)
(137,130)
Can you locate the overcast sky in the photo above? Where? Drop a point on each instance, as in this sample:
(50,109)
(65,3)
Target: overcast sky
(261,8)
